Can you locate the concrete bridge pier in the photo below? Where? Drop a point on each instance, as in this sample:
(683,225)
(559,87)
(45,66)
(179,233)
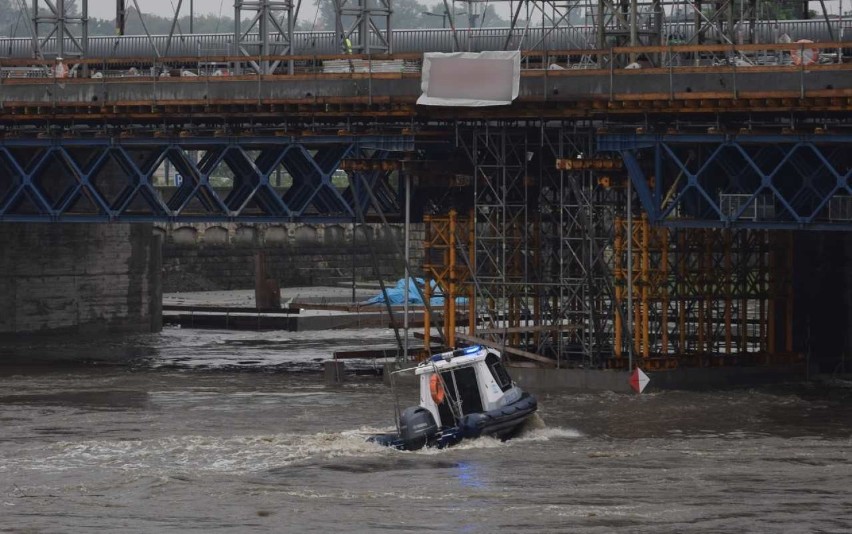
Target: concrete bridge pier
(822,285)
(79,278)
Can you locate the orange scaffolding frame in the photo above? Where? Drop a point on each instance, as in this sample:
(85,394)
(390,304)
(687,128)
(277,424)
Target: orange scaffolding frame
(443,236)
(705,297)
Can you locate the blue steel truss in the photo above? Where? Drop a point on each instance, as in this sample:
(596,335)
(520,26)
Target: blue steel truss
(743,181)
(249,179)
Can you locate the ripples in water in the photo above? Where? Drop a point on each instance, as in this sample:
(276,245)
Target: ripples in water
(184,439)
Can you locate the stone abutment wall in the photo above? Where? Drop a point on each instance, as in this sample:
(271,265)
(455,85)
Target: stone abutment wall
(79,278)
(212,256)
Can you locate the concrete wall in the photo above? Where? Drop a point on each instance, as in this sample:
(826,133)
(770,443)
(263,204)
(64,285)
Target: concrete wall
(542,381)
(86,278)
(693,378)
(822,285)
(209,256)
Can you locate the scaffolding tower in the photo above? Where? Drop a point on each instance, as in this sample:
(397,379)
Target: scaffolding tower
(562,268)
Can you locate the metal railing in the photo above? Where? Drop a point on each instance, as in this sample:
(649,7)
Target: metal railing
(423,40)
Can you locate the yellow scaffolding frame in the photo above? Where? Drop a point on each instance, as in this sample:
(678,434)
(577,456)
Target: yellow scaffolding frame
(443,235)
(703,297)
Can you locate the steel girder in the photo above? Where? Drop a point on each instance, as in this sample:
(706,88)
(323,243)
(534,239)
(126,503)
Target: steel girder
(744,181)
(249,179)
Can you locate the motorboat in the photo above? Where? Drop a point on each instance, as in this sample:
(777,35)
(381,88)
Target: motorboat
(464,393)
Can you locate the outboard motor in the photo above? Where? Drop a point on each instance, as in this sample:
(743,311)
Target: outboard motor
(416,427)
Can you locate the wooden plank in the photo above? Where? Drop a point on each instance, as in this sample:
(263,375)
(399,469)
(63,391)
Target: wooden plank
(511,350)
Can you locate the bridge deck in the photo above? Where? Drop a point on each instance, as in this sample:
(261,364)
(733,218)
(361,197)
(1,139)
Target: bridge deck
(776,86)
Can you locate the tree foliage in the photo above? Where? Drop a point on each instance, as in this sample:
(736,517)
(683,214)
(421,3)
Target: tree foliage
(12,19)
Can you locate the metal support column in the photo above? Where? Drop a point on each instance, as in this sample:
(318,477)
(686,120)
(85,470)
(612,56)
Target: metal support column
(58,32)
(269,33)
(364,26)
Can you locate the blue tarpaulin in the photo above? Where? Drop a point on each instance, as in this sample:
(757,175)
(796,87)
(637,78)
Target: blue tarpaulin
(396,294)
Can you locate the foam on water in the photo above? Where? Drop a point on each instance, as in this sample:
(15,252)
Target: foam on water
(548,433)
(248,453)
(535,429)
(207,453)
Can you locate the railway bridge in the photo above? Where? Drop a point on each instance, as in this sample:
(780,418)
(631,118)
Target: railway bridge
(639,203)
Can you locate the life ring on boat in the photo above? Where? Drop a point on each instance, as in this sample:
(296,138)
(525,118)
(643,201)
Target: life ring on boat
(436,389)
(805,55)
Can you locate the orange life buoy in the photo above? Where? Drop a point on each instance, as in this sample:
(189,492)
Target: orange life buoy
(436,389)
(805,55)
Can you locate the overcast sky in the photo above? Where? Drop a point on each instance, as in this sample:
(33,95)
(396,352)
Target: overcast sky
(105,9)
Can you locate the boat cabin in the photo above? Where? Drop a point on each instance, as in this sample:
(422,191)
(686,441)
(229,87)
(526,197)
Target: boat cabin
(464,381)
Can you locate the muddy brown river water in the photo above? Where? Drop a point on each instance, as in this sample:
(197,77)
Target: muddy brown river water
(205,431)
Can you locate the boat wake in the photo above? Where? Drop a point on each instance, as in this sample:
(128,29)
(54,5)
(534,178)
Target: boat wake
(247,453)
(196,453)
(251,453)
(535,429)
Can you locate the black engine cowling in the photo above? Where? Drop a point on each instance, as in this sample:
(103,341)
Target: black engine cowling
(416,427)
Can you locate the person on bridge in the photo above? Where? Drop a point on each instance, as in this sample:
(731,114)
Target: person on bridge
(61,71)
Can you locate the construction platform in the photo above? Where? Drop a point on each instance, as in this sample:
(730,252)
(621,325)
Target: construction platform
(302,309)
(687,80)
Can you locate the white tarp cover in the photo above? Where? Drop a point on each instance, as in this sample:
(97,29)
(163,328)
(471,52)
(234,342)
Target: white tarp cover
(470,79)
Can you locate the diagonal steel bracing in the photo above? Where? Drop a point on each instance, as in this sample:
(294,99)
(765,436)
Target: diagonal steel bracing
(191,179)
(364,26)
(747,181)
(268,33)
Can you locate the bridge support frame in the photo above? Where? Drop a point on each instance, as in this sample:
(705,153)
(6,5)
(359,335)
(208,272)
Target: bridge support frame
(779,181)
(270,33)
(364,26)
(250,179)
(51,20)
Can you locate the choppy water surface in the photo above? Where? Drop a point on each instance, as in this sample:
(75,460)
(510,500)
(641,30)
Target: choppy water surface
(186,438)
